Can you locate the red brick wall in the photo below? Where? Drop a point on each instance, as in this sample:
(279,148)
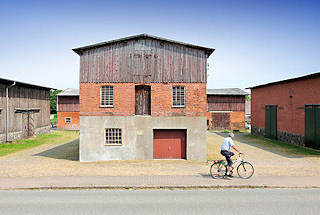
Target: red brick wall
(237,120)
(161,100)
(291,116)
(75,122)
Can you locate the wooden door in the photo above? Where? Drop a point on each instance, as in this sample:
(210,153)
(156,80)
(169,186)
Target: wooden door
(312,126)
(169,144)
(143,100)
(271,121)
(221,121)
(27,124)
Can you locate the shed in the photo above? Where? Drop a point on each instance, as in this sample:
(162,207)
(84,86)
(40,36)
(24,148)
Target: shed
(226,109)
(68,109)
(288,110)
(24,109)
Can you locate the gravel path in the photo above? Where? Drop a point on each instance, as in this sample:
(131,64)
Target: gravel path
(62,160)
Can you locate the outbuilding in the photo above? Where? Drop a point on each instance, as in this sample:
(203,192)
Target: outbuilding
(288,110)
(226,109)
(143,97)
(68,109)
(24,110)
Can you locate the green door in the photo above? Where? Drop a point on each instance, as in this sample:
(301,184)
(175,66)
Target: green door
(271,121)
(312,126)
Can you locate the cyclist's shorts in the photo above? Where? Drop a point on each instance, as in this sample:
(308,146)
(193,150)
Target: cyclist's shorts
(228,156)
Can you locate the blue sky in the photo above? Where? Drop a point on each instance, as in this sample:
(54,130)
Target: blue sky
(256,41)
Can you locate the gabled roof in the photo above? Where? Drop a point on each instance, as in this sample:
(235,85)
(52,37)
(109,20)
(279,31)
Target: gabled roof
(69,92)
(23,84)
(310,76)
(227,91)
(139,36)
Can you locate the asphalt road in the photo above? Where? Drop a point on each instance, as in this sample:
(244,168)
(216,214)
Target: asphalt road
(222,201)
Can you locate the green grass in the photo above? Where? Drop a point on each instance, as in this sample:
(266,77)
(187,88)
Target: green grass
(54,120)
(281,147)
(52,138)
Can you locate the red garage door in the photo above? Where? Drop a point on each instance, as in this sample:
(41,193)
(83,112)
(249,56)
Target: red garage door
(169,144)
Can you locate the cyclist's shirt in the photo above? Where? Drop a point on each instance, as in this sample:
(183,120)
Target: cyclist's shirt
(226,144)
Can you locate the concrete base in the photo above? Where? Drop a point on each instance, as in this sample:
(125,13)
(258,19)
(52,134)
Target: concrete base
(295,139)
(19,134)
(137,136)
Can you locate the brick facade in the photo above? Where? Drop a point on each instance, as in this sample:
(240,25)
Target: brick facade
(237,120)
(124,100)
(75,121)
(291,118)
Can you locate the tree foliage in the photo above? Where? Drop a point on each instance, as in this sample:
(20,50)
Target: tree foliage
(53,101)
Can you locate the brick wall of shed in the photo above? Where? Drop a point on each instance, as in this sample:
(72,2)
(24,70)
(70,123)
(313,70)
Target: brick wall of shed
(237,120)
(291,115)
(124,100)
(75,121)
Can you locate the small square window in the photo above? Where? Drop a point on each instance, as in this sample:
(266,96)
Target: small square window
(106,96)
(113,136)
(178,96)
(67,120)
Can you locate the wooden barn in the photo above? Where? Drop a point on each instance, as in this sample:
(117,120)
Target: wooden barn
(226,109)
(143,97)
(24,110)
(68,109)
(288,110)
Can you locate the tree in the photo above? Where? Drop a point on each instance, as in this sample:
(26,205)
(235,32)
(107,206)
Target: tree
(53,101)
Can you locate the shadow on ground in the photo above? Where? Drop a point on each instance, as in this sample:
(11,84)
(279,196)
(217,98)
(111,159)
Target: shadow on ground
(240,137)
(68,151)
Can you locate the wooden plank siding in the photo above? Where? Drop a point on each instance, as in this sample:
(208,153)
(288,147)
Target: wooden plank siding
(226,103)
(24,98)
(68,104)
(143,61)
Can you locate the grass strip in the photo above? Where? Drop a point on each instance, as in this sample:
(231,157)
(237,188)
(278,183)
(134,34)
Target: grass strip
(52,138)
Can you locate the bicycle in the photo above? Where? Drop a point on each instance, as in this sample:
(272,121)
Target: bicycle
(244,169)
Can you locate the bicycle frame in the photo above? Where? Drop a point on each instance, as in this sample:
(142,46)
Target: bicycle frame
(237,162)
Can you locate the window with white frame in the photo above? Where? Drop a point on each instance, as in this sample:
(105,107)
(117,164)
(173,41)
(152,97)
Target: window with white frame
(67,120)
(106,96)
(113,136)
(178,96)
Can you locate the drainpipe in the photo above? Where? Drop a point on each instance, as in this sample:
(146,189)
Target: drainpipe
(7,110)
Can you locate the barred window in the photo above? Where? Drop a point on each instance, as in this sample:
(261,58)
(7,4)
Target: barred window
(67,120)
(106,96)
(113,136)
(178,96)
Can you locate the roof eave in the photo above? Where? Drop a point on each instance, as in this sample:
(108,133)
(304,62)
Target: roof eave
(79,50)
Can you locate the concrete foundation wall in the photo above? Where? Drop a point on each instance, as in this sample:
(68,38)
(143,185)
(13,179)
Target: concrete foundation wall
(137,136)
(20,135)
(295,139)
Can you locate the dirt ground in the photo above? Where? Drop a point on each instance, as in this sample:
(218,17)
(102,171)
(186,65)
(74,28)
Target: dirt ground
(62,160)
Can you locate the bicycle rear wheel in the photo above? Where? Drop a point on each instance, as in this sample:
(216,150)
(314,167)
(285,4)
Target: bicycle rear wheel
(217,170)
(245,170)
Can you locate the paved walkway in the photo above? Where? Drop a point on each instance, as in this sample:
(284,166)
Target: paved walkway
(157,182)
(58,165)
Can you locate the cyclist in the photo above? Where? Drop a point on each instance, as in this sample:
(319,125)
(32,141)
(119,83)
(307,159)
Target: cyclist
(225,151)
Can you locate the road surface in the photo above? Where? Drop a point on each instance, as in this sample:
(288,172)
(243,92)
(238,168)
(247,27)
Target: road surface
(218,201)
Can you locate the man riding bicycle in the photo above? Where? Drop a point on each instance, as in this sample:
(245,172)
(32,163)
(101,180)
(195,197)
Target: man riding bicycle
(225,151)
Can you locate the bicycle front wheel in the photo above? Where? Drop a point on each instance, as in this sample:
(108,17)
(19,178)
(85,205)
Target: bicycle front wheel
(245,170)
(217,170)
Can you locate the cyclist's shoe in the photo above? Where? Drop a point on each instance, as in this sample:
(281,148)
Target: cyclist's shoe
(229,175)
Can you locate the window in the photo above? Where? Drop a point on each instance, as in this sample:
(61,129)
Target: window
(106,96)
(178,96)
(67,120)
(113,136)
